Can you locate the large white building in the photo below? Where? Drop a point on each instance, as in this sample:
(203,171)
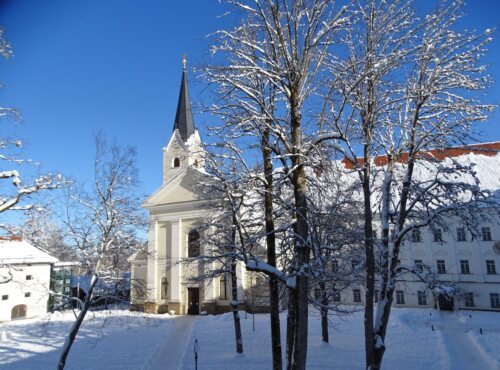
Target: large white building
(161,284)
(467,263)
(24,279)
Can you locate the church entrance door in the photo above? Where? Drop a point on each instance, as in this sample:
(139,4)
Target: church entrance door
(193,301)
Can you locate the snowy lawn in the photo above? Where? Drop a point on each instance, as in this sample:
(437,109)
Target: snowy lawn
(410,340)
(107,340)
(125,340)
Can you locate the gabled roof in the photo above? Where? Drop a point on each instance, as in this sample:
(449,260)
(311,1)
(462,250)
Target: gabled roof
(184,116)
(14,250)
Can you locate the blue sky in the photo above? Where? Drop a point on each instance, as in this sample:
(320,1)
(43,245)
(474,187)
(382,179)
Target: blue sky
(115,66)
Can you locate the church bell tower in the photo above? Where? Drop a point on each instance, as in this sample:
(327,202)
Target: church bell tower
(184,148)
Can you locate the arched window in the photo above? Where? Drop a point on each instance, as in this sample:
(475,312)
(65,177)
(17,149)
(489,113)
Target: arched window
(177,162)
(164,287)
(18,311)
(193,243)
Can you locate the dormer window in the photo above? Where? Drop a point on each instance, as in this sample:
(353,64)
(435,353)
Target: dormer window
(177,162)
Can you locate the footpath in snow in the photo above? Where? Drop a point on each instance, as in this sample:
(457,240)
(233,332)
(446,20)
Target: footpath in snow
(171,351)
(463,350)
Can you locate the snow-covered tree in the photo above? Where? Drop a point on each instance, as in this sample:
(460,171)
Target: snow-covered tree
(102,222)
(284,45)
(14,191)
(411,86)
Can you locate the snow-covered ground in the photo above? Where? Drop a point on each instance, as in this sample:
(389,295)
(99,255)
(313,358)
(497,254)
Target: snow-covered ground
(107,340)
(125,340)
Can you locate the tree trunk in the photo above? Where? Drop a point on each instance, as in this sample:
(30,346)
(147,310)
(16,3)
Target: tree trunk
(302,247)
(76,326)
(234,304)
(234,290)
(324,312)
(271,252)
(290,327)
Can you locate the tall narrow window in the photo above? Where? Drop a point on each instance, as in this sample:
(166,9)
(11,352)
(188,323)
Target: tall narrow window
(490,267)
(464,267)
(486,234)
(422,298)
(494,300)
(193,243)
(177,162)
(441,267)
(356,295)
(224,294)
(400,297)
(461,234)
(164,287)
(438,235)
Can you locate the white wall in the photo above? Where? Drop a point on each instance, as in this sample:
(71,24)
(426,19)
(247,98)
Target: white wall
(16,289)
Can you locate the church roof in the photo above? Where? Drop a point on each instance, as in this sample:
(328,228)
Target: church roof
(184,116)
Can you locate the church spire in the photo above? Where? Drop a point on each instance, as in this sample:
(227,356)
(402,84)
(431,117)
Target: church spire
(184,117)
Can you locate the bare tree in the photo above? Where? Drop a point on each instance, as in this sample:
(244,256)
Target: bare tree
(102,222)
(410,87)
(283,43)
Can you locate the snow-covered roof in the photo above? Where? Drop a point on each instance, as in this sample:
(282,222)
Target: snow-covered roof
(17,251)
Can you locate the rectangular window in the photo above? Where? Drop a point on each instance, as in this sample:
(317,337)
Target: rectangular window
(419,265)
(490,267)
(5,297)
(29,277)
(336,297)
(438,235)
(461,234)
(393,236)
(374,234)
(469,300)
(400,297)
(486,234)
(464,267)
(356,295)
(441,267)
(495,300)
(27,295)
(422,298)
(375,296)
(416,236)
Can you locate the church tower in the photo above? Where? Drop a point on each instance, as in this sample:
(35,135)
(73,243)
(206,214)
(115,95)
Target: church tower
(184,148)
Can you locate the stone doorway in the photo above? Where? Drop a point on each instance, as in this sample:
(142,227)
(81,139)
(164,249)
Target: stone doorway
(193,301)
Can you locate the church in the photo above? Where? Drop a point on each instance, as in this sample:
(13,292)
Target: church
(160,281)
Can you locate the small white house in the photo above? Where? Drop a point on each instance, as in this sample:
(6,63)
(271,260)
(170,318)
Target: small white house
(24,279)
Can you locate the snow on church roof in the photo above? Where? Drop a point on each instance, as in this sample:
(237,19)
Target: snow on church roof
(14,250)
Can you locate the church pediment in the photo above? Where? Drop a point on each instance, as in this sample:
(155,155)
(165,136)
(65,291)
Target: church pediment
(181,188)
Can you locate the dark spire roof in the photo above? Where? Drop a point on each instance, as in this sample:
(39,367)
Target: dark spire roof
(184,117)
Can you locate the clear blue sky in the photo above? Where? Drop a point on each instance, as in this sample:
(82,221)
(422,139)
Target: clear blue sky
(115,65)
